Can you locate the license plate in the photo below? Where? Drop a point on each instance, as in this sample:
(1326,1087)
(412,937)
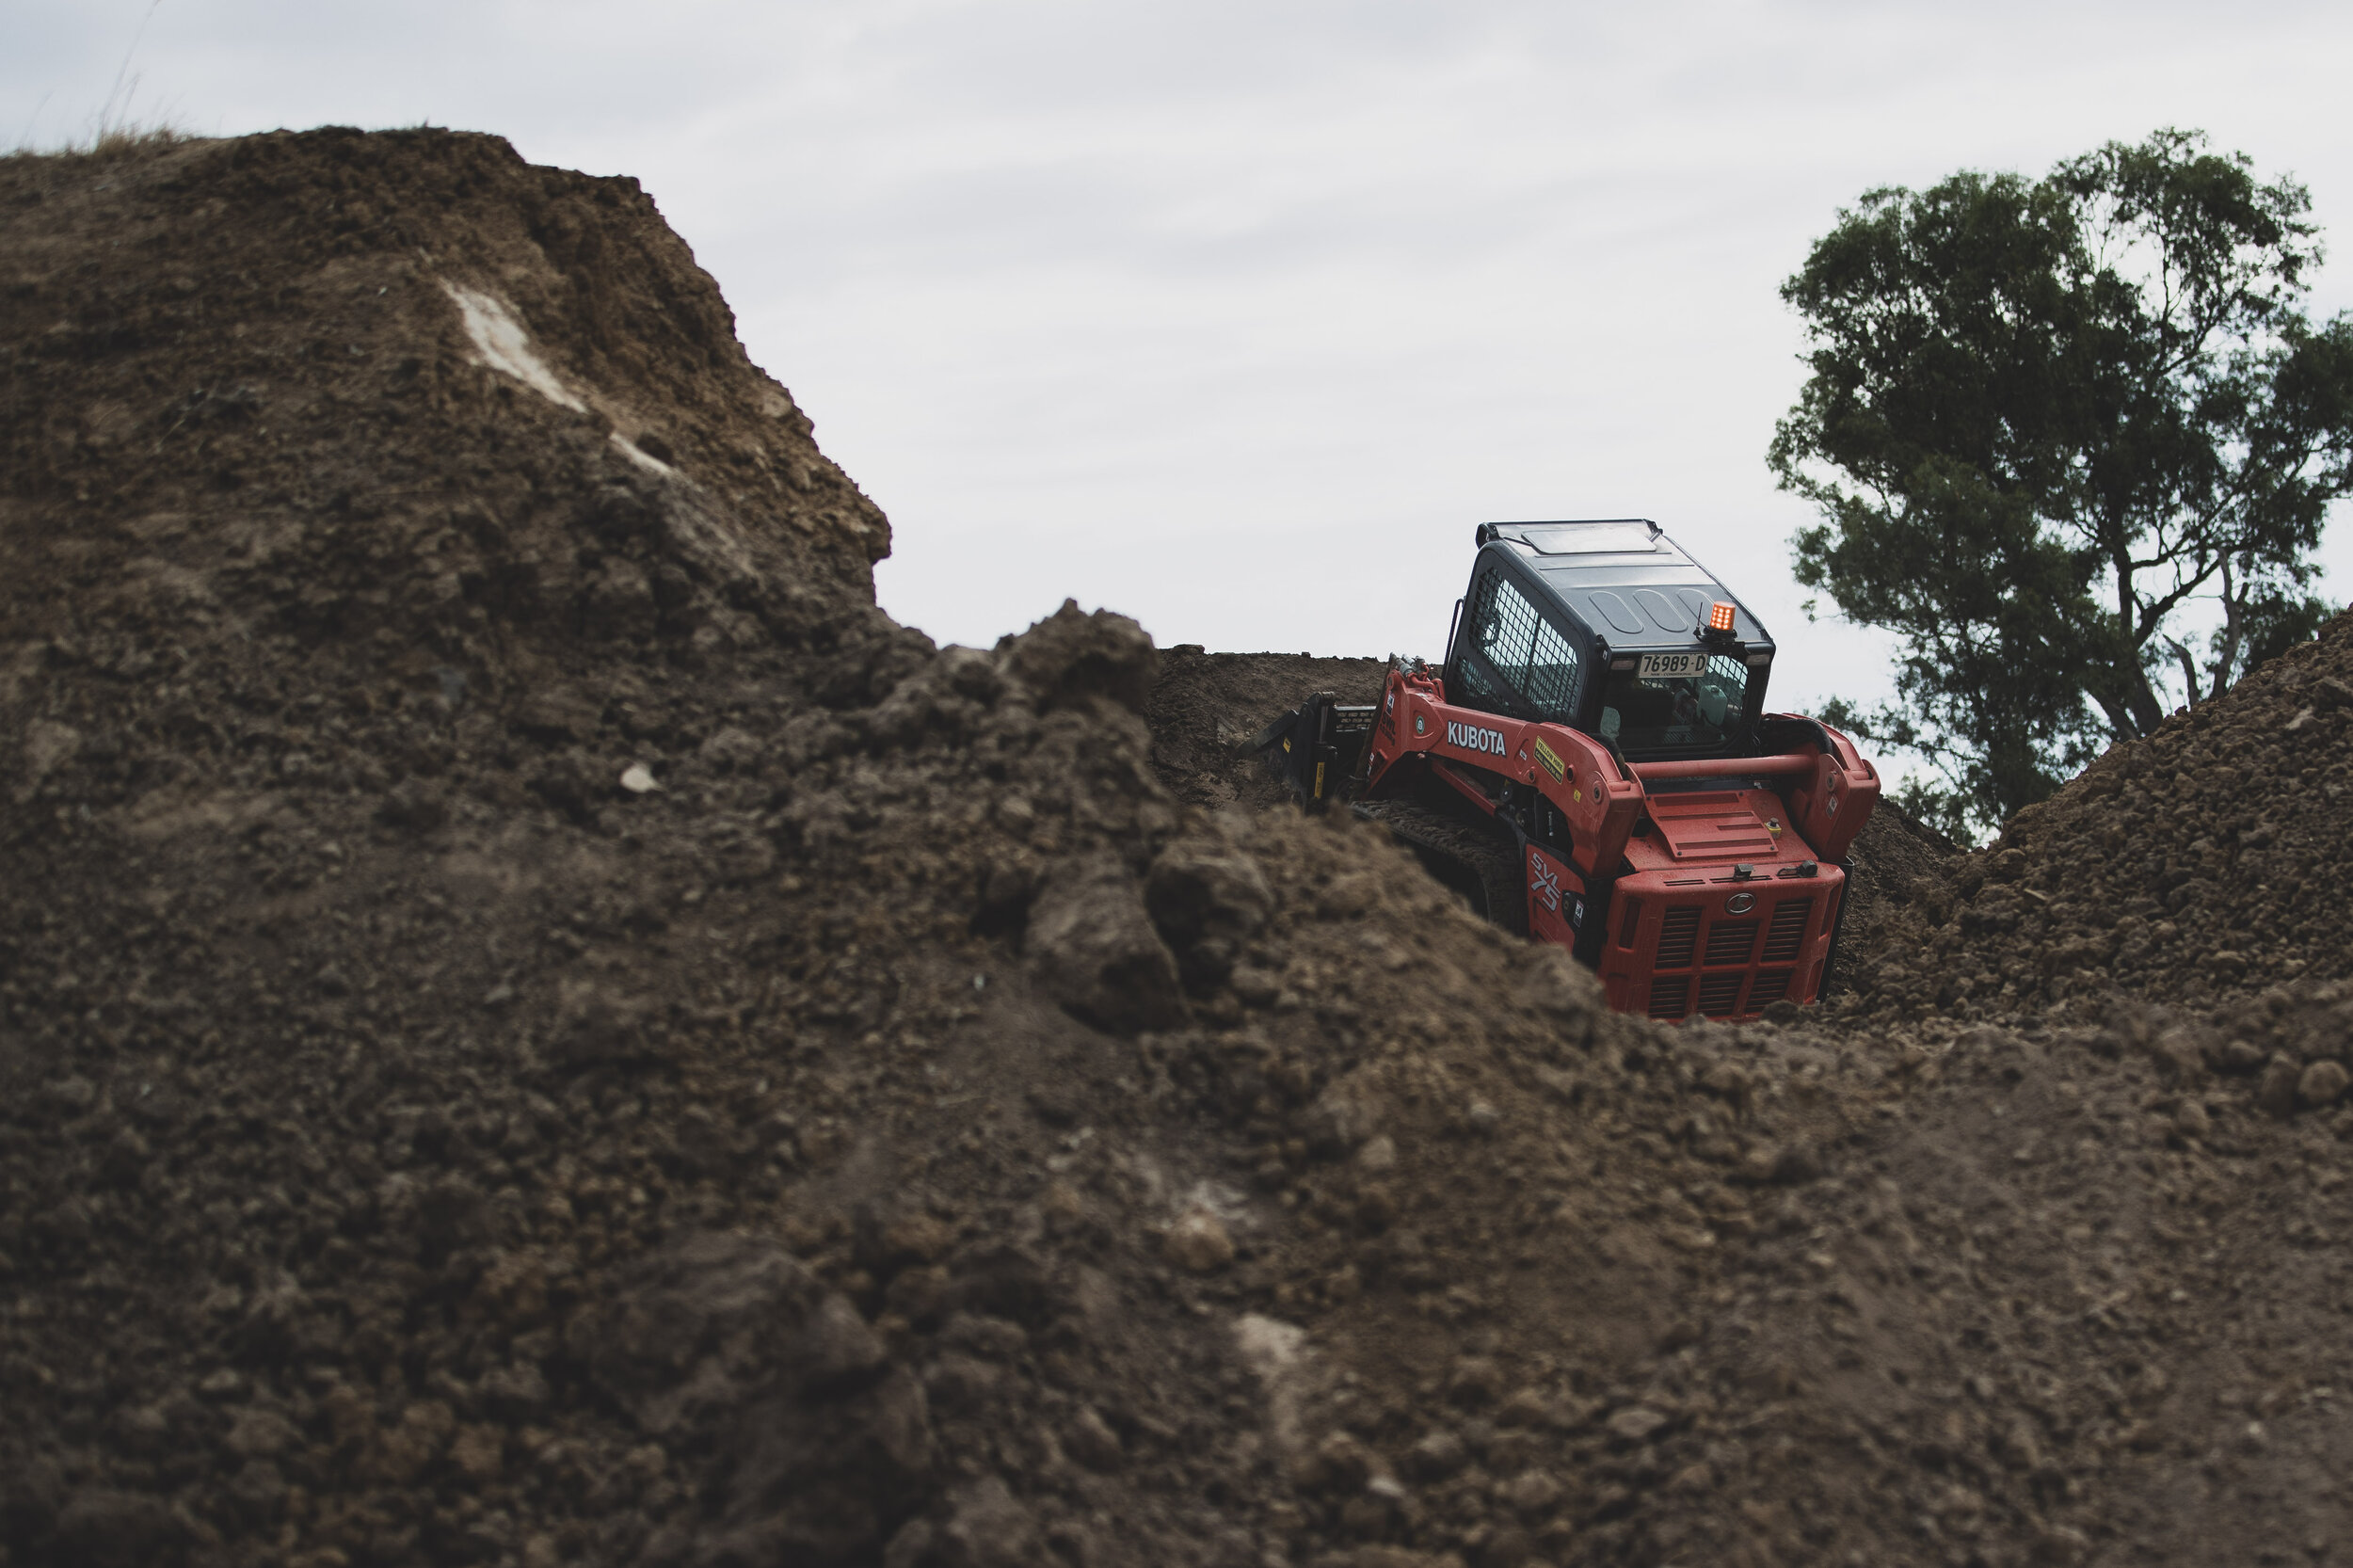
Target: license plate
(1667,667)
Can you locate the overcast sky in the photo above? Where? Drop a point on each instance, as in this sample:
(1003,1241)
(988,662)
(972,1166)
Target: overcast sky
(1236,317)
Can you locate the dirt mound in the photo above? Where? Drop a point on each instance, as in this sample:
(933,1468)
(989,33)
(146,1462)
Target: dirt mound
(535,1026)
(490,911)
(2194,867)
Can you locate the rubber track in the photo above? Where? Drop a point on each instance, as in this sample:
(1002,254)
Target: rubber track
(1482,859)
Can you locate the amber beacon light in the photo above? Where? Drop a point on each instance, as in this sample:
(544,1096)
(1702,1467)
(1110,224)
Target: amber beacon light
(1720,616)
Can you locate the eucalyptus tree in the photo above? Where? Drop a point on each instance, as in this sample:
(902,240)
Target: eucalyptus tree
(2073,440)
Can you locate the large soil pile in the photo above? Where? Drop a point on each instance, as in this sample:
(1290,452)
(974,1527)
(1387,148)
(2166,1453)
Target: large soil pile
(2199,866)
(535,1026)
(2045,1291)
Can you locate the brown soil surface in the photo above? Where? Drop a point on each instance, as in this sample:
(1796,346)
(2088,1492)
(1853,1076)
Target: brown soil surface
(2200,866)
(538,1027)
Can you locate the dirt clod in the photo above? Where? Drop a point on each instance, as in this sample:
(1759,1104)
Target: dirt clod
(2321,1084)
(1198,1241)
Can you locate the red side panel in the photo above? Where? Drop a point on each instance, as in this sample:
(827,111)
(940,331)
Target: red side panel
(1556,897)
(1832,806)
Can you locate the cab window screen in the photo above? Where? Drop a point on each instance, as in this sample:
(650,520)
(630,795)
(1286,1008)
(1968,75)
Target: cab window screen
(1526,650)
(1482,689)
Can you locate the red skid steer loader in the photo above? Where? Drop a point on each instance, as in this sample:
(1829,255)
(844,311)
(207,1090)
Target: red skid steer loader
(1592,766)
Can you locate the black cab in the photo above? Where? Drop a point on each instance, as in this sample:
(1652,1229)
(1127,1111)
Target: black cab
(1608,626)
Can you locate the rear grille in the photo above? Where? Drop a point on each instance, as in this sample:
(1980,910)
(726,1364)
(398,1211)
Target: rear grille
(1720,993)
(1678,936)
(1670,996)
(1788,932)
(1632,921)
(1772,985)
(1729,942)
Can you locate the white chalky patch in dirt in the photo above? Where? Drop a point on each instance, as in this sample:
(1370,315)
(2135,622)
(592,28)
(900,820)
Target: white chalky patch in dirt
(1275,1352)
(643,460)
(1226,1202)
(506,347)
(1269,1344)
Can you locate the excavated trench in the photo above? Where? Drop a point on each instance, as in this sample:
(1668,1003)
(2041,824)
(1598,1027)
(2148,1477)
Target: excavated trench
(536,1026)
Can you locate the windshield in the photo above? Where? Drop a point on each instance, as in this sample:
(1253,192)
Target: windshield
(1677,702)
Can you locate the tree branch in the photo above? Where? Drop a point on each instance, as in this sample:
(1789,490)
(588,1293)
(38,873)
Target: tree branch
(2189,669)
(2233,622)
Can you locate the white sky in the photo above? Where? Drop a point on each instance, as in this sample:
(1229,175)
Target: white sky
(1236,317)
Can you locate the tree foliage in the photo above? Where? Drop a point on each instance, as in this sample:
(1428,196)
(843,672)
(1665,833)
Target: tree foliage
(2058,429)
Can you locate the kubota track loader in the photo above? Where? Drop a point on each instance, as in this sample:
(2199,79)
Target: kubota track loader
(1592,766)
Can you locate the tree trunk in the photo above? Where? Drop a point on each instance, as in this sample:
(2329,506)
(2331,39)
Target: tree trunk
(2120,717)
(2140,699)
(2132,682)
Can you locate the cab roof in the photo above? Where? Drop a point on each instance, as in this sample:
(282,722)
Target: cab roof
(1625,578)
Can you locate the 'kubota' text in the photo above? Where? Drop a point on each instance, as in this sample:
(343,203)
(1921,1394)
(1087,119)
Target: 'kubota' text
(1470,737)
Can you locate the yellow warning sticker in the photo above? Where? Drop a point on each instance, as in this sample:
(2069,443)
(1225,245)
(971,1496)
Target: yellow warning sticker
(1552,763)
